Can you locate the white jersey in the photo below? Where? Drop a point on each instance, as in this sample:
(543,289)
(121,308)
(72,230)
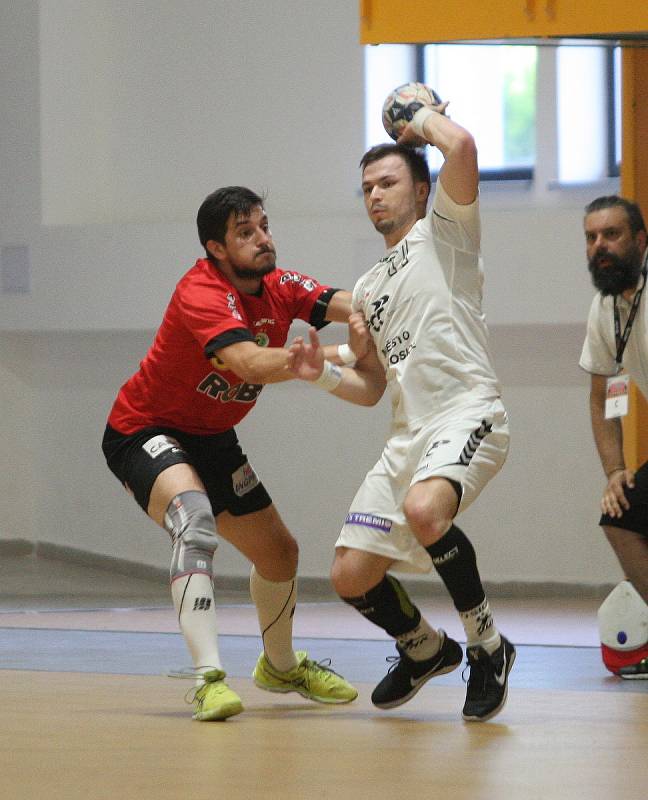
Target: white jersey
(599,350)
(422,302)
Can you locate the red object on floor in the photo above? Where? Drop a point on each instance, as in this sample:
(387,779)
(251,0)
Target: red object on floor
(615,659)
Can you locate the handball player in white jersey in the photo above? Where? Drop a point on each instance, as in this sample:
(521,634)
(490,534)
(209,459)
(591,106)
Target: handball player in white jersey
(421,304)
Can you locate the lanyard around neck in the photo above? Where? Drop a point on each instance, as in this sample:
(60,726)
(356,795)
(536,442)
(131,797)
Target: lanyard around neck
(621,339)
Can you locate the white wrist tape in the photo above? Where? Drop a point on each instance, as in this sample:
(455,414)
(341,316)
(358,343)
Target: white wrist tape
(330,377)
(418,120)
(346,354)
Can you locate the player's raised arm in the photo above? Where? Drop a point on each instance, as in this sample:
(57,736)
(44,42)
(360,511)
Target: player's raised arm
(460,172)
(414,115)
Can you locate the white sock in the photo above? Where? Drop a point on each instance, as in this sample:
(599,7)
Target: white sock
(193,600)
(421,643)
(275,605)
(480,628)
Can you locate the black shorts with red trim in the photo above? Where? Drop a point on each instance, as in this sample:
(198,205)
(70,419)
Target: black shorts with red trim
(636,517)
(231,484)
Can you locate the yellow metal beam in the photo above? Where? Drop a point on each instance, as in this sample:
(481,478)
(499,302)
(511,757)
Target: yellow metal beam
(634,185)
(456,20)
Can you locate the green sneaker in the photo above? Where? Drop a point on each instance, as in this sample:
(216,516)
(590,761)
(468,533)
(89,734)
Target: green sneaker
(214,699)
(316,681)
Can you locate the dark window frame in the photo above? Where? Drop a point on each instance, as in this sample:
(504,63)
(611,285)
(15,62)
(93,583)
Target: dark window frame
(613,166)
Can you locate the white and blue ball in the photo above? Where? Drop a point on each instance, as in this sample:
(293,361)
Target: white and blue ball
(403,102)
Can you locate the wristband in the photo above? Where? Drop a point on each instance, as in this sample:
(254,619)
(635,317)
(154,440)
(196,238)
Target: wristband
(346,354)
(612,471)
(330,377)
(418,120)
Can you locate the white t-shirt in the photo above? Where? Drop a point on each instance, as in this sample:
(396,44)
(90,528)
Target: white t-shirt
(599,350)
(422,302)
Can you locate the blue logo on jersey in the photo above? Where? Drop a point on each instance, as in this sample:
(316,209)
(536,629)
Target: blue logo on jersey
(368,521)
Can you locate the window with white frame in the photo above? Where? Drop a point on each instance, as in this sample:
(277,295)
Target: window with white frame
(492,92)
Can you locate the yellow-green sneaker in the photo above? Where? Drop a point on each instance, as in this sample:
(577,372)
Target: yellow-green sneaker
(316,681)
(214,699)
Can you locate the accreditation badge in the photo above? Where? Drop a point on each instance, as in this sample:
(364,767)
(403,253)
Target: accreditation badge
(616,396)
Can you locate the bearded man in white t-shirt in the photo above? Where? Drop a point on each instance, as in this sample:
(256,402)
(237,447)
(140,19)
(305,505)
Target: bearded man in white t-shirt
(449,434)
(616,349)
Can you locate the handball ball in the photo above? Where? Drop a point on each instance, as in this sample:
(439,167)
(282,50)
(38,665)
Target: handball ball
(403,102)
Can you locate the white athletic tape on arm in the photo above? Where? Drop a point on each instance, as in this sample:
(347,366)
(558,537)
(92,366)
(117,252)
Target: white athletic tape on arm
(418,120)
(330,377)
(346,354)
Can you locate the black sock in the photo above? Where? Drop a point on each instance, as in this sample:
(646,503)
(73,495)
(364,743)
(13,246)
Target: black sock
(454,559)
(388,606)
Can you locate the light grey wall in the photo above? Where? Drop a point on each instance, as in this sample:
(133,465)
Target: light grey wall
(117,119)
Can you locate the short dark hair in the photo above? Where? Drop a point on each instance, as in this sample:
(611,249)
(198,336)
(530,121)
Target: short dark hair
(633,211)
(217,207)
(415,160)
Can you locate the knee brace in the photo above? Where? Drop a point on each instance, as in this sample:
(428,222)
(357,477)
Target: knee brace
(190,523)
(623,627)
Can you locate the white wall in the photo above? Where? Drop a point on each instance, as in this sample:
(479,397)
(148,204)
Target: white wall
(117,119)
(19,472)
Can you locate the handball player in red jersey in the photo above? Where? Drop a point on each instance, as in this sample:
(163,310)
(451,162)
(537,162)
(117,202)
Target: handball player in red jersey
(170,440)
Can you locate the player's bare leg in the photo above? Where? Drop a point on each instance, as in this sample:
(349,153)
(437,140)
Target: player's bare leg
(264,539)
(631,550)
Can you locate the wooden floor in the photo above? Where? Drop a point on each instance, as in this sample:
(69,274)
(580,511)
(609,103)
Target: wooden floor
(68,732)
(66,736)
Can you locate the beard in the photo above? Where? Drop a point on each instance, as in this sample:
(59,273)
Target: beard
(388,225)
(247,273)
(384,226)
(621,274)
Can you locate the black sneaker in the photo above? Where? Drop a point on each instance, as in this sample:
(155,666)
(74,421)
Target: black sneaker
(488,681)
(406,676)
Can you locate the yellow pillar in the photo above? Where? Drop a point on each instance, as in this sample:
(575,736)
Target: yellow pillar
(634,185)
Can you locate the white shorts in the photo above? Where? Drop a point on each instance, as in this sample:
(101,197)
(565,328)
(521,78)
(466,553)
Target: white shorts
(468,446)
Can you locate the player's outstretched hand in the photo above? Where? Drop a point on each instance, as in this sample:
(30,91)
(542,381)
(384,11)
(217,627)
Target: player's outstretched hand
(359,336)
(412,139)
(306,359)
(614,501)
